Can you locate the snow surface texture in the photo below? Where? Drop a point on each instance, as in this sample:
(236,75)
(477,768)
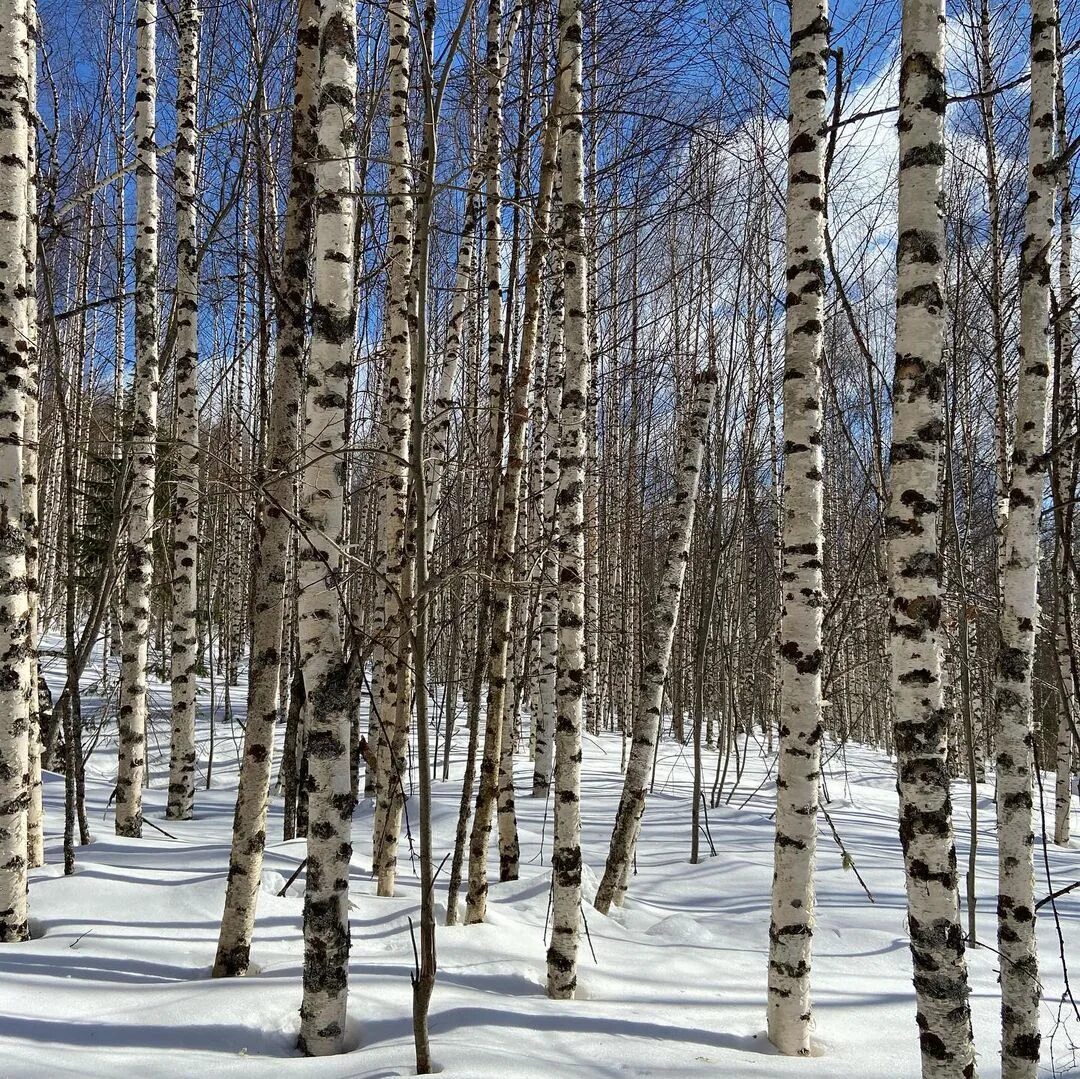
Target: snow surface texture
(117,980)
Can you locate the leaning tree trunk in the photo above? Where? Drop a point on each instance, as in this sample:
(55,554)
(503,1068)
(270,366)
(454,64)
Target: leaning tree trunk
(487,788)
(791,929)
(1066,466)
(333,320)
(566,849)
(659,629)
(15,110)
(503,567)
(140,556)
(1013,702)
(186,508)
(920,726)
(273,523)
(392,677)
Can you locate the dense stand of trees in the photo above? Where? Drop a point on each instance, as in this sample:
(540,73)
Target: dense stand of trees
(503,375)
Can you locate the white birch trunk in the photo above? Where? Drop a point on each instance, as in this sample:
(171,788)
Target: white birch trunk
(659,629)
(273,524)
(442,413)
(1020,1038)
(566,849)
(392,680)
(186,508)
(791,928)
(140,567)
(1066,465)
(14,361)
(35,823)
(549,579)
(498,751)
(920,727)
(330,799)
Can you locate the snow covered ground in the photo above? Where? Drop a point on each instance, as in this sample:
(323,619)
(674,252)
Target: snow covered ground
(116,981)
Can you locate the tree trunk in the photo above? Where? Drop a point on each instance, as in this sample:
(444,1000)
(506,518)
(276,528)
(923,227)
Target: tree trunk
(498,757)
(15,109)
(791,929)
(566,850)
(660,633)
(549,576)
(186,511)
(1066,486)
(926,833)
(326,677)
(35,825)
(1013,702)
(140,556)
(392,678)
(273,526)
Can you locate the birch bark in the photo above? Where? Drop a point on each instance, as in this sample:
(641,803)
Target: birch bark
(502,599)
(273,524)
(911,525)
(1020,994)
(393,683)
(566,850)
(659,629)
(35,824)
(186,508)
(791,929)
(327,722)
(135,622)
(1066,489)
(14,360)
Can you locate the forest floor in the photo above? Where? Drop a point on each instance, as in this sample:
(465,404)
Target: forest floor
(116,980)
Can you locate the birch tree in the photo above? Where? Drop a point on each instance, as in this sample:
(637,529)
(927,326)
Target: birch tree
(139,570)
(566,850)
(498,602)
(508,522)
(333,321)
(549,573)
(185,641)
(1013,702)
(1065,488)
(15,110)
(273,525)
(391,678)
(35,818)
(911,524)
(659,635)
(791,929)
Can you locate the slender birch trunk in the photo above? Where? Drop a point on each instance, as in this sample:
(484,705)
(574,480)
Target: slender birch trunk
(273,523)
(505,550)
(35,824)
(549,578)
(476,896)
(1013,702)
(330,799)
(14,360)
(186,511)
(659,631)
(926,832)
(442,413)
(1066,487)
(392,679)
(566,850)
(791,929)
(140,563)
